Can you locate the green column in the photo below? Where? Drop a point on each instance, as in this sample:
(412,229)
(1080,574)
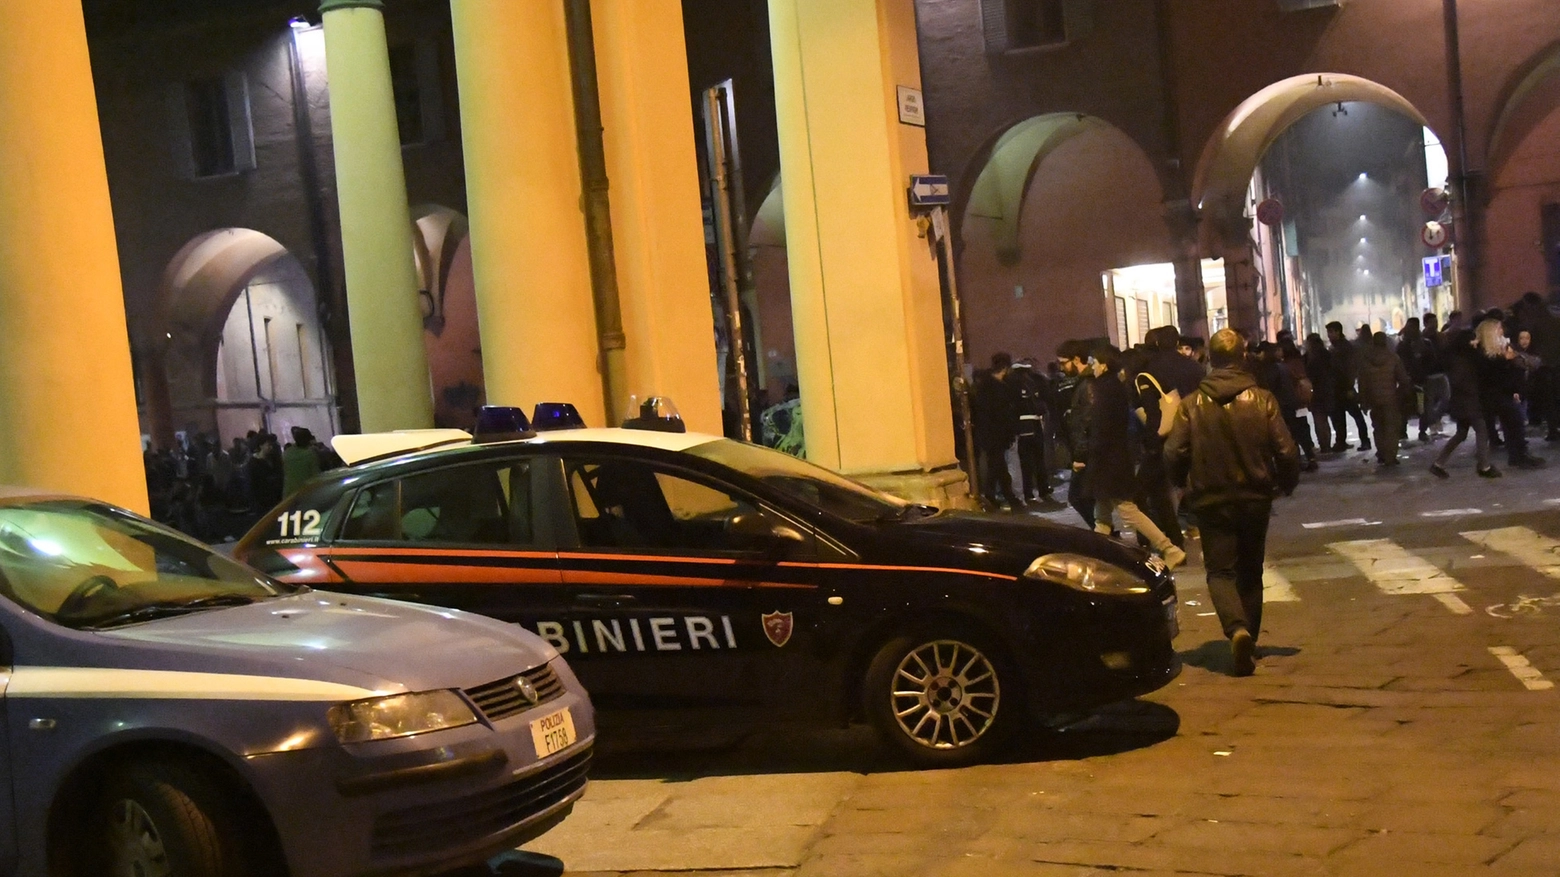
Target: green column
(393,387)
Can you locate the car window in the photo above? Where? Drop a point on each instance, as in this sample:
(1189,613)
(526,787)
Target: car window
(82,564)
(479,504)
(801,480)
(631,504)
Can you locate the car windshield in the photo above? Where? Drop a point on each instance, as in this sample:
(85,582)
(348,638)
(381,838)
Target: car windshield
(812,484)
(85,565)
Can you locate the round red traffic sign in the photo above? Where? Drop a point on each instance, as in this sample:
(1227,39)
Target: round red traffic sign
(1434,235)
(1434,201)
(1271,212)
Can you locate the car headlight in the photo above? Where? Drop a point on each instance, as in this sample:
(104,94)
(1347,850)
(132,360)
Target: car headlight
(399,715)
(1085,574)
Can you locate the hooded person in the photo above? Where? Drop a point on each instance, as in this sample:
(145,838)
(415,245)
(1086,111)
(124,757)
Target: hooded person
(1231,449)
(1384,384)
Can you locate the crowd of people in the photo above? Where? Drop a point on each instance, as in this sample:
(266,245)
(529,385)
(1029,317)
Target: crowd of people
(1101,415)
(216,493)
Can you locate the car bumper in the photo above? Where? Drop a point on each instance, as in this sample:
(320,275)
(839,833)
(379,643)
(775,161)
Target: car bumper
(1105,651)
(425,804)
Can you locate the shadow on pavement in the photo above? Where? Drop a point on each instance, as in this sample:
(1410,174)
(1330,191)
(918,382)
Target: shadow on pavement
(1214,655)
(1114,729)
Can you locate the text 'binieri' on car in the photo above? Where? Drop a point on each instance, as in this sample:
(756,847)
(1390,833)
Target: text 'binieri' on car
(700,585)
(173,712)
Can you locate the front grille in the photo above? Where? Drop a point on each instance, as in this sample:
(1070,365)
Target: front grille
(501,699)
(429,828)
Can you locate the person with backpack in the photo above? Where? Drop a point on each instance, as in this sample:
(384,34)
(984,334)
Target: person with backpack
(1109,460)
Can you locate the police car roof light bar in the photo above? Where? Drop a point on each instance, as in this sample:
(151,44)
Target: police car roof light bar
(501,423)
(556,415)
(657,414)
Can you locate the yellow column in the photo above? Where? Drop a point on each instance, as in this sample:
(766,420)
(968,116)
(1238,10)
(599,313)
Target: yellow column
(864,287)
(67,397)
(393,387)
(528,249)
(657,220)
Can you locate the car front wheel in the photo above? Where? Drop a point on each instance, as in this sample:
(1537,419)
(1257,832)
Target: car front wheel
(166,819)
(944,699)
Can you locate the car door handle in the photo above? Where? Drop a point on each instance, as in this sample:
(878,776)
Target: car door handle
(606,598)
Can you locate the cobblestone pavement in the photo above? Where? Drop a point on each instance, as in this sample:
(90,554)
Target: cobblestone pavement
(1402,721)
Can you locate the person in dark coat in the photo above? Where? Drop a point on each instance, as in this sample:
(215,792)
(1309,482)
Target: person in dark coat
(1500,382)
(1534,317)
(1461,360)
(995,418)
(1230,447)
(1272,376)
(1346,399)
(1077,388)
(1318,368)
(1110,466)
(1384,384)
(1029,396)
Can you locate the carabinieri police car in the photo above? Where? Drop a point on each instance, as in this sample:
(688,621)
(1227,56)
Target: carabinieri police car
(698,583)
(169,711)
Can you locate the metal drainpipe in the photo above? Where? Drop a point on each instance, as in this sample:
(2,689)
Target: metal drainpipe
(596,204)
(1464,211)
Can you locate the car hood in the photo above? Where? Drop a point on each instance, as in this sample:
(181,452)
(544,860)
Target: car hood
(1010,543)
(370,643)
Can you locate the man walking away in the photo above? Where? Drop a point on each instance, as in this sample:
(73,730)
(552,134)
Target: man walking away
(1231,448)
(1346,400)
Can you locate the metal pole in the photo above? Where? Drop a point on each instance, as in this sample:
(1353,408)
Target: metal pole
(598,206)
(720,185)
(961,387)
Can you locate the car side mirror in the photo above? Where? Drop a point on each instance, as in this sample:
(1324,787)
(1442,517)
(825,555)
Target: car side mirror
(761,530)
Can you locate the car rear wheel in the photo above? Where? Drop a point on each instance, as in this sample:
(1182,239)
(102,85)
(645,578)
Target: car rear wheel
(945,698)
(166,819)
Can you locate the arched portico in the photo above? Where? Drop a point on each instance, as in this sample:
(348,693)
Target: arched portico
(1522,213)
(1231,156)
(237,343)
(447,293)
(1059,201)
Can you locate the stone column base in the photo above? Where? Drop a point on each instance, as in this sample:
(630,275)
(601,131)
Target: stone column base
(946,488)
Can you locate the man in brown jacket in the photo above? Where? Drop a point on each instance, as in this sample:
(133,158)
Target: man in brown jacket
(1230,446)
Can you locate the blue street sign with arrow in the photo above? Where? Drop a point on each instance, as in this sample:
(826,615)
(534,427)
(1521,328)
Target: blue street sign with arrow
(930,190)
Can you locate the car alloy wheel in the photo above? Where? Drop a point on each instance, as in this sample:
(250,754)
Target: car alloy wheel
(945,694)
(135,847)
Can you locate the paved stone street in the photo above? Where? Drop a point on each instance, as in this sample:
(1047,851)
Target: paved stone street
(1402,720)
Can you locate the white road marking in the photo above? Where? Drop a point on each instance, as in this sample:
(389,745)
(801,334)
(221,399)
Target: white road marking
(1346,522)
(1526,673)
(1451,513)
(1533,549)
(1276,587)
(1454,603)
(1396,571)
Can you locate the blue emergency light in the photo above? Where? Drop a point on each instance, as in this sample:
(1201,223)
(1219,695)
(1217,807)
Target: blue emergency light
(556,415)
(498,423)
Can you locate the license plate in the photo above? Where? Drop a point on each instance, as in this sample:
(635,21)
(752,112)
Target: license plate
(1170,618)
(553,732)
